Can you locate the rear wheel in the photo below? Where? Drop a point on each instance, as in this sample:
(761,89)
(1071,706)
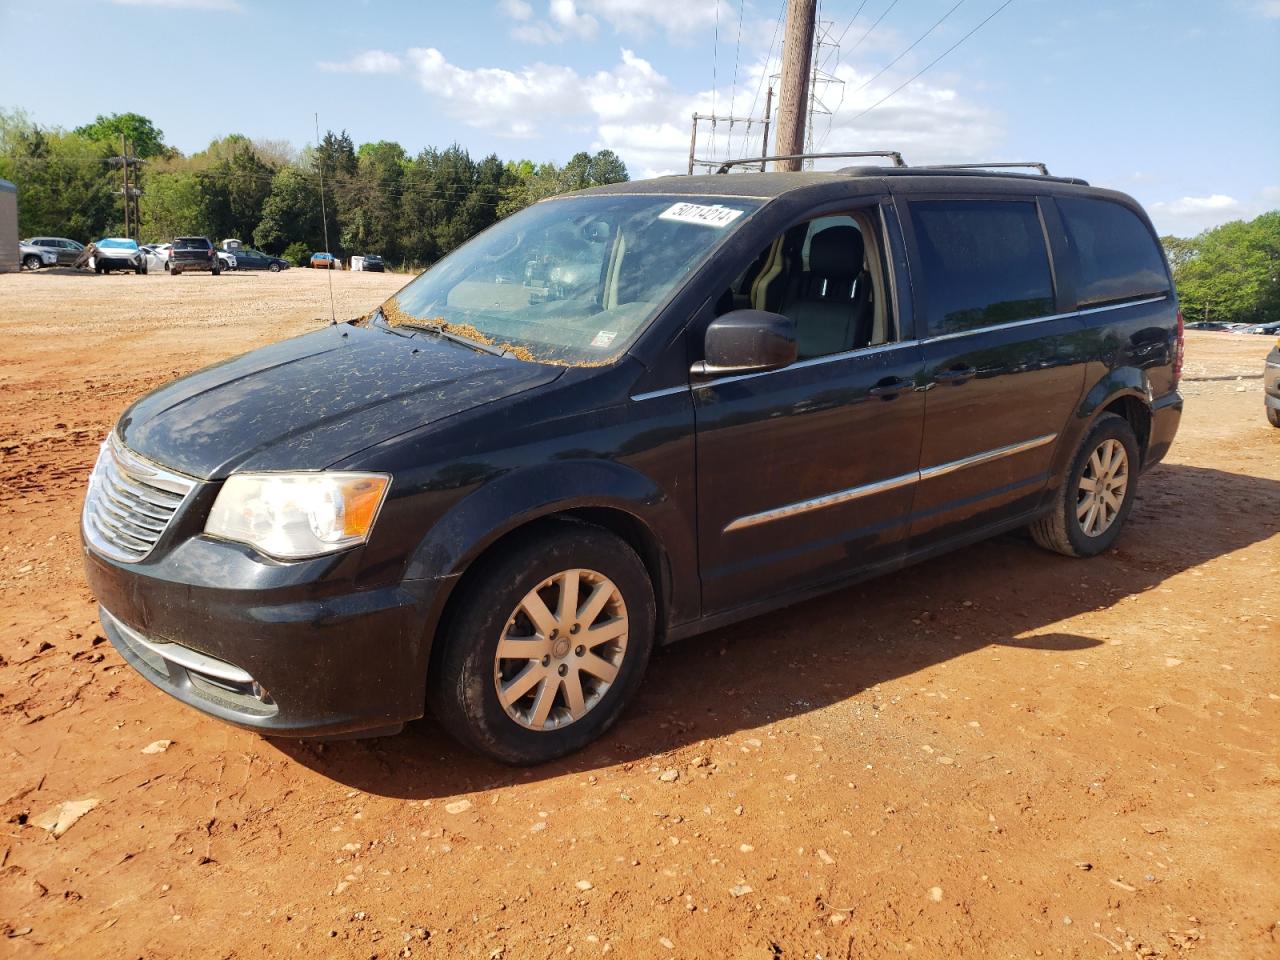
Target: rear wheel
(547,645)
(1097,493)
(1274,416)
(32,261)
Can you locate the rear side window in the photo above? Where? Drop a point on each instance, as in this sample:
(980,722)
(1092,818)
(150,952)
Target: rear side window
(1117,255)
(983,262)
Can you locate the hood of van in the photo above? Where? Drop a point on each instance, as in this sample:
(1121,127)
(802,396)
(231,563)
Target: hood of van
(306,403)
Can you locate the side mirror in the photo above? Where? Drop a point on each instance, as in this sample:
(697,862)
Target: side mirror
(745,341)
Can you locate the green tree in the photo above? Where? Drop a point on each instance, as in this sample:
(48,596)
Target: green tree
(65,186)
(1232,272)
(291,213)
(145,139)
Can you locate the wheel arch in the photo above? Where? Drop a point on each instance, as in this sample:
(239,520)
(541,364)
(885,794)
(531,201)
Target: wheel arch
(522,503)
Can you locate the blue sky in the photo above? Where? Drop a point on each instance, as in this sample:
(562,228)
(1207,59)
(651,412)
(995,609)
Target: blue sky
(1172,101)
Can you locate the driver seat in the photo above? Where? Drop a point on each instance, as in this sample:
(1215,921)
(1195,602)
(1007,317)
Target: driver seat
(831,301)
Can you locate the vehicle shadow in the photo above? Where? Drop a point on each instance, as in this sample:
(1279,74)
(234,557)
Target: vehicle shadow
(805,657)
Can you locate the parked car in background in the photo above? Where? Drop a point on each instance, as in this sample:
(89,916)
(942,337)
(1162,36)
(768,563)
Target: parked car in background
(325,261)
(118,253)
(33,257)
(495,498)
(374,263)
(193,253)
(228,259)
(64,251)
(1265,329)
(157,255)
(249,259)
(1215,326)
(1271,384)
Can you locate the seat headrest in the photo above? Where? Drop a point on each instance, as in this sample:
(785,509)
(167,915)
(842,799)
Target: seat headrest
(836,252)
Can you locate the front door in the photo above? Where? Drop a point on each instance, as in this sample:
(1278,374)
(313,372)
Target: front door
(806,474)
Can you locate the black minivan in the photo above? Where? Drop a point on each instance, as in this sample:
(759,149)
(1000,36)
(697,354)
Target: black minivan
(621,417)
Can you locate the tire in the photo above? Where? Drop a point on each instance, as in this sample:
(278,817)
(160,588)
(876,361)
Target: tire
(32,261)
(1274,416)
(462,687)
(140,269)
(175,272)
(1063,529)
(274,268)
(217,272)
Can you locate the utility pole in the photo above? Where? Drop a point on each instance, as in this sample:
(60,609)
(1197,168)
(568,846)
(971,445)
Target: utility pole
(124,165)
(793,93)
(768,112)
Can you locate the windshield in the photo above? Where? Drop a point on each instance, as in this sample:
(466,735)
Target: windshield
(118,243)
(570,281)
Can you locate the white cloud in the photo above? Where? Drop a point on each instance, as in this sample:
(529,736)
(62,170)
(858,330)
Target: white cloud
(580,19)
(222,6)
(635,110)
(516,9)
(370,61)
(1188,216)
(1270,9)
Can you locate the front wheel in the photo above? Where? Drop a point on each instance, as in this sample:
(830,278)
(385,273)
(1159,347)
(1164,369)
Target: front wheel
(1273,415)
(1096,494)
(546,645)
(32,261)
(274,268)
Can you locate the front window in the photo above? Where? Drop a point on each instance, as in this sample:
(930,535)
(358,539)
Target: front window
(570,281)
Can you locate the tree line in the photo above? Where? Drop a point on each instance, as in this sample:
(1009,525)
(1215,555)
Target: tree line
(377,198)
(1230,273)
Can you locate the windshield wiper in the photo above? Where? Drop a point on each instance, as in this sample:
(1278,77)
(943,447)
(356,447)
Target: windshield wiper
(440,331)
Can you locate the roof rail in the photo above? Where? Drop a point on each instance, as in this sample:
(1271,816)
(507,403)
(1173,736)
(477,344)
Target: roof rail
(1033,165)
(894,155)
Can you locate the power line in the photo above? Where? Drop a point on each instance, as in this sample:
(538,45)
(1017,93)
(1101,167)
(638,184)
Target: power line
(858,43)
(932,62)
(764,74)
(851,22)
(935,26)
(715,56)
(737,50)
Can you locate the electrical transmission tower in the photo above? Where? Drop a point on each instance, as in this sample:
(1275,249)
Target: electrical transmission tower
(821,82)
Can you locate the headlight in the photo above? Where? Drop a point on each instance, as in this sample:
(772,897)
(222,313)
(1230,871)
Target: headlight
(295,515)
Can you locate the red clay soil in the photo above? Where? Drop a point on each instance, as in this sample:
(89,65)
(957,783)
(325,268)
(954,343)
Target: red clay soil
(1000,753)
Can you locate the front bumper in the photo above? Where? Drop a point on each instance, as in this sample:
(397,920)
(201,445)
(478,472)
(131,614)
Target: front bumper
(1166,414)
(116,263)
(283,649)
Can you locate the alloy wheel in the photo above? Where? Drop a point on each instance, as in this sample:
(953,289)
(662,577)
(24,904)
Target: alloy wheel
(1101,491)
(561,649)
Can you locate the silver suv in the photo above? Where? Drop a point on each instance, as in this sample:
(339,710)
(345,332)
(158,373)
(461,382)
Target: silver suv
(36,252)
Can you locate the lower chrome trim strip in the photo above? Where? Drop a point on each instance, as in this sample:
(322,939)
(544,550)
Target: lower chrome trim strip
(942,469)
(828,500)
(183,656)
(884,486)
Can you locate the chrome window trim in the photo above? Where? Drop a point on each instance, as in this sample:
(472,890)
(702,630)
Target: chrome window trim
(883,486)
(1045,319)
(812,362)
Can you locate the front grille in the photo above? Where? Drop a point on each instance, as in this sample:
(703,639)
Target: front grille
(130,502)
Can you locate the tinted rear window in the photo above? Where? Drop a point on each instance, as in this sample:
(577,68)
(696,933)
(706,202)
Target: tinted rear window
(983,262)
(188,243)
(1117,255)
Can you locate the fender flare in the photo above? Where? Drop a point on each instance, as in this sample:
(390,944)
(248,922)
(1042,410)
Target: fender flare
(523,496)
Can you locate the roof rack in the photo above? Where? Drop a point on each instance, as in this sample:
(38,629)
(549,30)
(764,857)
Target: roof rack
(894,155)
(1033,165)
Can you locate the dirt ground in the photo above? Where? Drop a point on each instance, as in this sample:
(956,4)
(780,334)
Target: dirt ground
(1000,753)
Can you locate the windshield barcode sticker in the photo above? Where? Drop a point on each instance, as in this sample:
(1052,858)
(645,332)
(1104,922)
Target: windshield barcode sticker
(708,216)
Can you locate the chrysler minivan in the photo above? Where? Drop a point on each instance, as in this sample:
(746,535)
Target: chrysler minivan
(621,417)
